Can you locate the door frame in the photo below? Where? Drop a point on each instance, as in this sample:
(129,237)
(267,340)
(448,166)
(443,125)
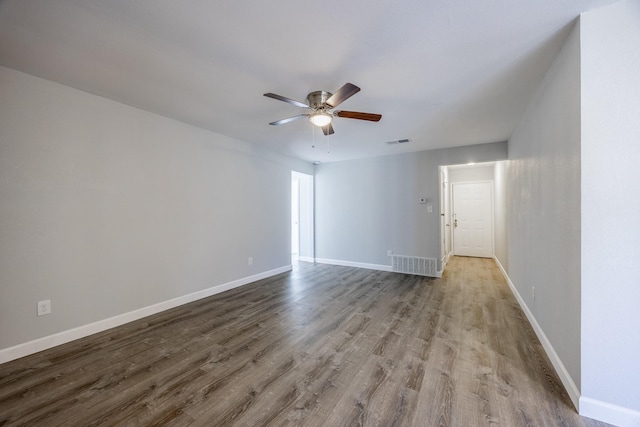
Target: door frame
(445,209)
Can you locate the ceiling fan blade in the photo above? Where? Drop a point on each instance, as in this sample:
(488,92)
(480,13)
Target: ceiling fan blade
(285,99)
(344,93)
(328,130)
(288,119)
(358,115)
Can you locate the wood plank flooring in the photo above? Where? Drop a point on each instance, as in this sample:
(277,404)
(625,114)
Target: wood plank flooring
(319,346)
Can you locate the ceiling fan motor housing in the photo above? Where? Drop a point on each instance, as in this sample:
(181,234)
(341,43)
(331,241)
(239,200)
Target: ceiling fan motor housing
(318,99)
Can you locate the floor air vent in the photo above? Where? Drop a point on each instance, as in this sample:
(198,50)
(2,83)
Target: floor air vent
(414,265)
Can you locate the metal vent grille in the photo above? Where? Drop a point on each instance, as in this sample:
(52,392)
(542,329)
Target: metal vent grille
(398,141)
(414,265)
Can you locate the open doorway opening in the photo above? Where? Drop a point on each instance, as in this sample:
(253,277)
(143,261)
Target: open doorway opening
(295,218)
(302,220)
(469,227)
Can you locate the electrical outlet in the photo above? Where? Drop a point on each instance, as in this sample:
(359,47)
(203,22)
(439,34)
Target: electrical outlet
(389,252)
(250,261)
(533,292)
(44,307)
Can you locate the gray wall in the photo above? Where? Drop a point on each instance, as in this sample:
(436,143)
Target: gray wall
(106,208)
(365,207)
(572,186)
(543,191)
(610,205)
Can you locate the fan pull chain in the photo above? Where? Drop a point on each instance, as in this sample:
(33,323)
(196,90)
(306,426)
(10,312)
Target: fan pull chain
(313,137)
(328,149)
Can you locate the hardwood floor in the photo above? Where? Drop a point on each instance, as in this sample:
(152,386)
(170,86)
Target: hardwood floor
(319,346)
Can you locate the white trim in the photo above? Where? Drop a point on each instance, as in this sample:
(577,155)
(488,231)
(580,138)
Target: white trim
(445,259)
(566,379)
(306,259)
(608,413)
(354,264)
(44,343)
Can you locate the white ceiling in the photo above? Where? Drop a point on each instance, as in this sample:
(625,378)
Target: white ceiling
(442,73)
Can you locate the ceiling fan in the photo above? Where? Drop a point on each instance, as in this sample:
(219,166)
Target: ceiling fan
(321,103)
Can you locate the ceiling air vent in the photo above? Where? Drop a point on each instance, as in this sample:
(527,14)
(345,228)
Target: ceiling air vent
(398,141)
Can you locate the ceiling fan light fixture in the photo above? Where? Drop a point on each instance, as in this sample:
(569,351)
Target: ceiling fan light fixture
(319,105)
(320,119)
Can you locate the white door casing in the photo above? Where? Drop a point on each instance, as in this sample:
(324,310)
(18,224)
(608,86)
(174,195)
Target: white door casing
(472,219)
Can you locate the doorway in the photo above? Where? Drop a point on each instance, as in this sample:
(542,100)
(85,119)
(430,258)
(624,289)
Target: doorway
(302,219)
(472,215)
(492,240)
(295,217)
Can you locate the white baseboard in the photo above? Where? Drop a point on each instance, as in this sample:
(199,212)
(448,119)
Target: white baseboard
(586,406)
(44,343)
(380,267)
(445,259)
(608,413)
(306,259)
(566,379)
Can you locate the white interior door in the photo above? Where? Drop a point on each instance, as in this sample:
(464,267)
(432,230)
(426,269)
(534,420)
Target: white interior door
(473,219)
